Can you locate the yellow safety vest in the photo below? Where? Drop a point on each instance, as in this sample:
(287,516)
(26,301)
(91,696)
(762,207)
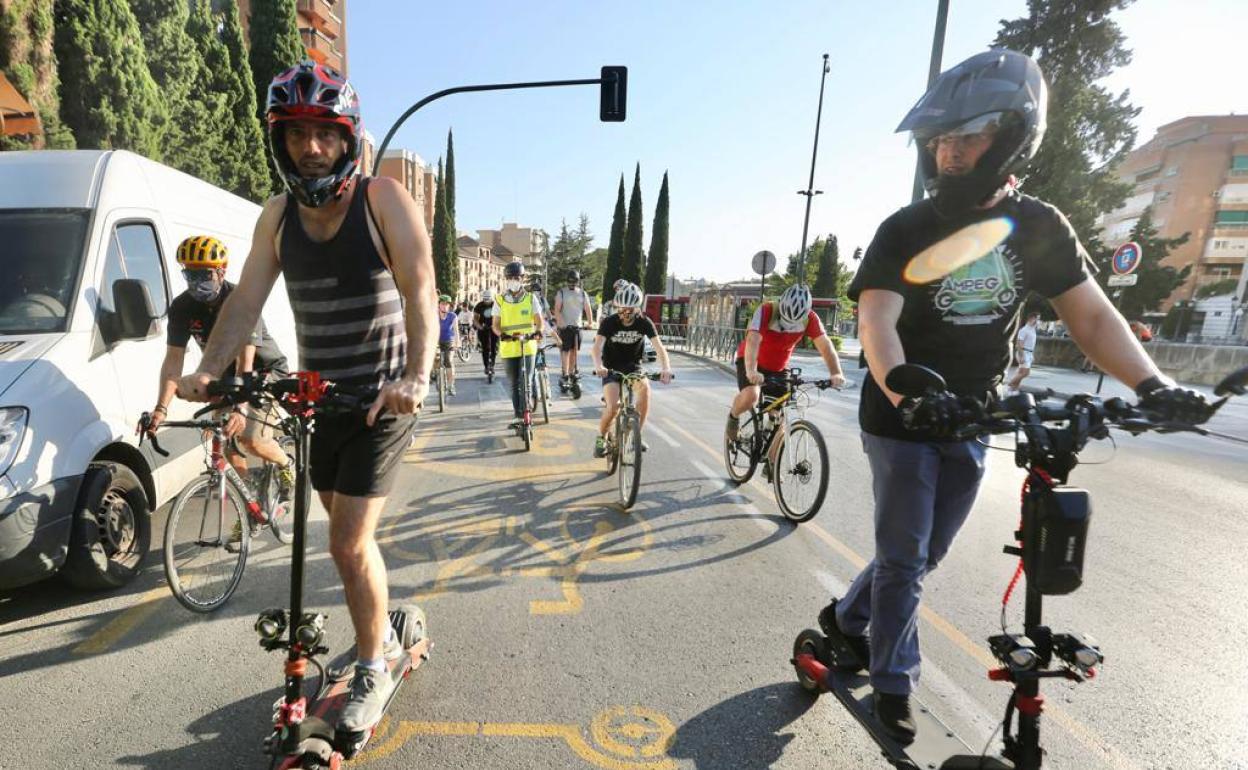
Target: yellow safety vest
(516,318)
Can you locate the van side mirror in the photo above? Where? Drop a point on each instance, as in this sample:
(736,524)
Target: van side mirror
(136,317)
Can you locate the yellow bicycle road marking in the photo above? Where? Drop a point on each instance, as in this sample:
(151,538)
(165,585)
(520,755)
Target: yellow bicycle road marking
(626,737)
(1077,729)
(124,623)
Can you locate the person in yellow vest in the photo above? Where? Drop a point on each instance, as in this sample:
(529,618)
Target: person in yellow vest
(518,321)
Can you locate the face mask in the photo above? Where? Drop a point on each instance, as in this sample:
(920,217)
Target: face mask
(205,291)
(514,286)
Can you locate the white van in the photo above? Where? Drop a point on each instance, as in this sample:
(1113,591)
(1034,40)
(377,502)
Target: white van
(77,369)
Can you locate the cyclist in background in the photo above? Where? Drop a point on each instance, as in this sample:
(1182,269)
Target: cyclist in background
(483,321)
(571,308)
(618,349)
(448,340)
(517,321)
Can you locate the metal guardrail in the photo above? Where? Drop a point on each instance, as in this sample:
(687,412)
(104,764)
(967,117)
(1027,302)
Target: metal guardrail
(717,342)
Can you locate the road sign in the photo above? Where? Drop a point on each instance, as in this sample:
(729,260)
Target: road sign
(1127,258)
(1123,280)
(764,262)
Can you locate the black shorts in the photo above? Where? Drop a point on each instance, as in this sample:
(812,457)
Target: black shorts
(772,391)
(445,348)
(569,338)
(350,458)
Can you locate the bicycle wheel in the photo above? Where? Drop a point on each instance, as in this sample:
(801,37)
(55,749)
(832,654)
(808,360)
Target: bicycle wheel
(630,460)
(741,456)
(526,431)
(613,447)
(463,353)
(280,511)
(202,565)
(543,385)
(800,478)
(441,390)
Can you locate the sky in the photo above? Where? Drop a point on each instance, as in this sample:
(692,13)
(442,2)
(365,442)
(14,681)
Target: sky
(722,96)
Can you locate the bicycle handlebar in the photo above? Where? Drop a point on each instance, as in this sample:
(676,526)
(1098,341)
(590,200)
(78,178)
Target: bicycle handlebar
(639,375)
(792,378)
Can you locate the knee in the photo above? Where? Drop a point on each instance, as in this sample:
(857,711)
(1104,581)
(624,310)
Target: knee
(348,549)
(908,564)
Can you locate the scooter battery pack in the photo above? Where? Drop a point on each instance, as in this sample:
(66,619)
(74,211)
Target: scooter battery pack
(1055,531)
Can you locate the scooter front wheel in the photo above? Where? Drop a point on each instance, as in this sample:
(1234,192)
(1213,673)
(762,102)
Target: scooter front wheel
(813,643)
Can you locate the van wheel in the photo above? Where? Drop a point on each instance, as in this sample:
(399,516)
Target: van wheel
(111,531)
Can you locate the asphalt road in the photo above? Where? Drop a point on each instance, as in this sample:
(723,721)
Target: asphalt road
(570,634)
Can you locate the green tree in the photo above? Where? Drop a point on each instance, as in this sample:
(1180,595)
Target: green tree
(450,176)
(615,247)
(1156,281)
(1090,130)
(28,60)
(109,99)
(633,266)
(827,269)
(569,252)
(247,173)
(438,237)
(656,264)
(175,46)
(275,47)
(450,243)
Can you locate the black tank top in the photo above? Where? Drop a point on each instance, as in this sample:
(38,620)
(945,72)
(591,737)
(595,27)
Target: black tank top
(347,307)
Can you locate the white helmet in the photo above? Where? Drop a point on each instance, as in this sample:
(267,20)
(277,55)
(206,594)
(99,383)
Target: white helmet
(795,304)
(629,295)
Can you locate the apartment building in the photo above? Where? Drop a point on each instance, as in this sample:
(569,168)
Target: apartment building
(322,27)
(480,269)
(528,243)
(1194,175)
(407,168)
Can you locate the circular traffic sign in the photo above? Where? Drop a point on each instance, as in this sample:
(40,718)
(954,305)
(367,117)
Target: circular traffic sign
(764,262)
(1127,258)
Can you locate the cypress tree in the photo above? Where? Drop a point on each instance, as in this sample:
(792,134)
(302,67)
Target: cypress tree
(656,264)
(634,264)
(248,171)
(438,239)
(109,99)
(450,247)
(28,60)
(450,176)
(190,137)
(615,247)
(275,47)
(829,269)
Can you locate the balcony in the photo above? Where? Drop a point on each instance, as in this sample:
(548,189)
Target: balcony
(318,13)
(320,48)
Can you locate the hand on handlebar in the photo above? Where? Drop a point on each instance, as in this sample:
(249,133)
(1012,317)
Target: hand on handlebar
(1172,403)
(600,371)
(837,381)
(938,414)
(754,378)
(235,424)
(149,422)
(403,396)
(665,376)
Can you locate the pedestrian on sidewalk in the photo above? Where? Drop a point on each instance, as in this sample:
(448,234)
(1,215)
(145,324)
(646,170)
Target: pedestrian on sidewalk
(1024,351)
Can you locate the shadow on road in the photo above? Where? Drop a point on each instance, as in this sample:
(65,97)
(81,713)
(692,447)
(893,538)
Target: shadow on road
(743,732)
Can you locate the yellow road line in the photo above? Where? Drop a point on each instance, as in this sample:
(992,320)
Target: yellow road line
(124,623)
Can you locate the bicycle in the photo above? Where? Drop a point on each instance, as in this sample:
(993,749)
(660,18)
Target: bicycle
(439,375)
(212,520)
(467,344)
(524,428)
(624,446)
(542,381)
(792,451)
(1051,542)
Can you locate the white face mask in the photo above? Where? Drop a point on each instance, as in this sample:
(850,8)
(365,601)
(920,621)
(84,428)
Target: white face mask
(514,286)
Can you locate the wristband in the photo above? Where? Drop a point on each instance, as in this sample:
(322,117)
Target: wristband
(1149,385)
(160,408)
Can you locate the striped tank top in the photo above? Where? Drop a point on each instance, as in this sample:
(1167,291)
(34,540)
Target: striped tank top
(347,307)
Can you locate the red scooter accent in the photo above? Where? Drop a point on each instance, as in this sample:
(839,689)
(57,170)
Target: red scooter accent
(811,667)
(290,714)
(1031,705)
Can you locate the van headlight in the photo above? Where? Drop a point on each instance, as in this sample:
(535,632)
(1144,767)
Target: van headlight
(12,428)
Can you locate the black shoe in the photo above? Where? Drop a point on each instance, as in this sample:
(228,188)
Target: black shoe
(857,647)
(893,714)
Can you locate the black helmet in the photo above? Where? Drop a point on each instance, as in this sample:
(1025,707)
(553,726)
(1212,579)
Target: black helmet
(574,276)
(514,270)
(997,89)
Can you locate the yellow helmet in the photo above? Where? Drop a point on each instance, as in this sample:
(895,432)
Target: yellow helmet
(200,251)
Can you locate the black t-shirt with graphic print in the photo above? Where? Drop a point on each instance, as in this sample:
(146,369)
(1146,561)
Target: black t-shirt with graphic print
(188,317)
(962,325)
(624,345)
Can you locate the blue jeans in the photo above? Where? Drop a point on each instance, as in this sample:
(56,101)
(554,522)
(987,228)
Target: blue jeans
(923,494)
(517,385)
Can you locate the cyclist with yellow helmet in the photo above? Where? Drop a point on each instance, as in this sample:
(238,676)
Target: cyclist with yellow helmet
(193,314)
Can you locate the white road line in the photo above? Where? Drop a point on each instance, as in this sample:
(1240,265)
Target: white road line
(834,585)
(656,430)
(756,516)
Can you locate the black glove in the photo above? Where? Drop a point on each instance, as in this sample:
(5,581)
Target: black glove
(936,414)
(1170,403)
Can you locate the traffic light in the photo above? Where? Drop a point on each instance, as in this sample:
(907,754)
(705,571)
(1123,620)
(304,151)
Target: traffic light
(613,95)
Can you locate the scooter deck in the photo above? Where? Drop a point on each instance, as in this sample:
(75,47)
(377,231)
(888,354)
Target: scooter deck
(934,742)
(319,733)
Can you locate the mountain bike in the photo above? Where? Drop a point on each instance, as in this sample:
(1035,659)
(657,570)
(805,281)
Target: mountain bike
(790,448)
(439,375)
(624,445)
(467,344)
(212,520)
(1051,542)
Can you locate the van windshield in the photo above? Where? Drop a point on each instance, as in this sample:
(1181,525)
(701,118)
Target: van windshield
(40,251)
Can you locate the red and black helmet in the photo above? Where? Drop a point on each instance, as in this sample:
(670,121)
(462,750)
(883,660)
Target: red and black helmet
(311,91)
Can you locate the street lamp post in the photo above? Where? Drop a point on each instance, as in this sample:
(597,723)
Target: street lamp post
(810,192)
(933,69)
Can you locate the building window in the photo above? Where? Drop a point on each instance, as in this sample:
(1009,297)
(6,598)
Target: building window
(1239,162)
(1231,218)
(1146,176)
(1172,171)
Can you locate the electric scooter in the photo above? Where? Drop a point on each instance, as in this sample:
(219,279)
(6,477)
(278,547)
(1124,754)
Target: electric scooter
(1050,544)
(304,719)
